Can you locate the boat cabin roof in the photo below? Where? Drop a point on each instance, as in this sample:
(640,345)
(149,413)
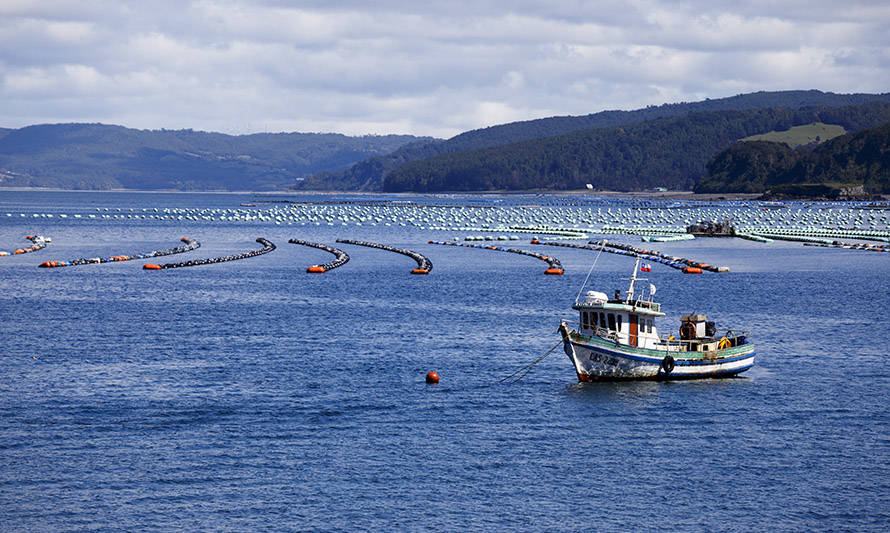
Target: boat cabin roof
(640,307)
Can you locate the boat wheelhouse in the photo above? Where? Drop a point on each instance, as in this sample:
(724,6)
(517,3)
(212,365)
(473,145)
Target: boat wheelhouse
(617,338)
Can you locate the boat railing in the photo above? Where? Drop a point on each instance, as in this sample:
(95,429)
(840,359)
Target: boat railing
(732,339)
(646,304)
(669,343)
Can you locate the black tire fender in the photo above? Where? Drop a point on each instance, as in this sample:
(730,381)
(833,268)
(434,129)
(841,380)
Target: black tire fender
(667,364)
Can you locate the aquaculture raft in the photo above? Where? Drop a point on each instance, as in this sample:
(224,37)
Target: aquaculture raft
(555,267)
(341,257)
(190,244)
(424,265)
(267,247)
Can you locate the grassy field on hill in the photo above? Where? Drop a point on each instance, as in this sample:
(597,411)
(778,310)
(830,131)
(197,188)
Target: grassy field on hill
(815,133)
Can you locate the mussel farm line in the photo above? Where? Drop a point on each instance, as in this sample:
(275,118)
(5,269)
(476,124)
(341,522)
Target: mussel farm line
(555,268)
(849,246)
(267,247)
(424,265)
(38,242)
(690,264)
(341,257)
(687,266)
(190,244)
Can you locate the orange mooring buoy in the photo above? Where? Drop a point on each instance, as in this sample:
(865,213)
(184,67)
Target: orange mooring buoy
(692,270)
(150,266)
(315,269)
(420,271)
(432,377)
(553,272)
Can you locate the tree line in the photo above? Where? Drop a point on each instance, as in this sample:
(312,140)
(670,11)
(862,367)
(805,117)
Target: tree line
(667,152)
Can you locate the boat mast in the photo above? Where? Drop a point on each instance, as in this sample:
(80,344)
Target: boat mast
(633,278)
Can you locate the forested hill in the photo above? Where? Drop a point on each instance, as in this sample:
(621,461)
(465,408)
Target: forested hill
(97,156)
(369,174)
(856,159)
(665,152)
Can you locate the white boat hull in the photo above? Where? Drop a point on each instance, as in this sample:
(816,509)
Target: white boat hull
(600,360)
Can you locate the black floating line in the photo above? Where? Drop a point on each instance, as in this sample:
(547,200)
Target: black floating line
(424,265)
(675,262)
(267,247)
(555,265)
(341,257)
(655,256)
(850,246)
(190,244)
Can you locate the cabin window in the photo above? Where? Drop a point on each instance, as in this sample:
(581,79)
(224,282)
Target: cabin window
(585,320)
(612,321)
(619,323)
(603,320)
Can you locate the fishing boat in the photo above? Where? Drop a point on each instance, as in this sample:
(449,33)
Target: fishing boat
(617,339)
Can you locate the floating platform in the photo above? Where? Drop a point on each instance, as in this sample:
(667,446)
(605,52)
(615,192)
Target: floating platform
(668,238)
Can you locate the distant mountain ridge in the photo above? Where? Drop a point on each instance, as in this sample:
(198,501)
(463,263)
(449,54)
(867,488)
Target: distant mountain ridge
(370,173)
(665,152)
(99,156)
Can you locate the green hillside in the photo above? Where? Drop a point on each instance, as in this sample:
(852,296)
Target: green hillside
(369,174)
(806,135)
(98,156)
(856,159)
(668,152)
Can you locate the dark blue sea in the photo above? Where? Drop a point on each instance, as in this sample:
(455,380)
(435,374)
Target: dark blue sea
(250,395)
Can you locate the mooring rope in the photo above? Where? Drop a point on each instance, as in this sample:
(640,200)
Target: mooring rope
(529,366)
(597,258)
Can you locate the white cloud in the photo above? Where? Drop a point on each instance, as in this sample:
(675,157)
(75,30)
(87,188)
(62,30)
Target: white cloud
(400,67)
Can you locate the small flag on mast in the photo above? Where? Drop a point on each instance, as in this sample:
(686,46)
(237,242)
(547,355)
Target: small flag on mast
(651,290)
(646,268)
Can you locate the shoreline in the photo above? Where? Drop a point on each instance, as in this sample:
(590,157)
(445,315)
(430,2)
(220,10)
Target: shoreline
(663,195)
(576,192)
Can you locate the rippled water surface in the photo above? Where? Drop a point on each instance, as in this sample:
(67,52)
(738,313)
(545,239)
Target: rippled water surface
(251,395)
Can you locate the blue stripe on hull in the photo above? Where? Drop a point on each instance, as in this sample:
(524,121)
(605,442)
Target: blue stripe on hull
(619,372)
(657,360)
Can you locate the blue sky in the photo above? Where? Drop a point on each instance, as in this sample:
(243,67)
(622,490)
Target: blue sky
(405,67)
